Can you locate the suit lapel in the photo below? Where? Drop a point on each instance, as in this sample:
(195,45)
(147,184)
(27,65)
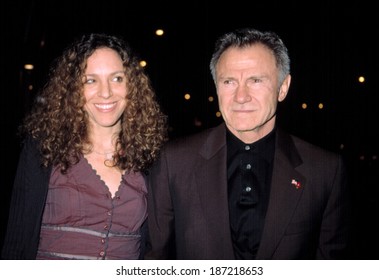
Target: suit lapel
(284,195)
(212,188)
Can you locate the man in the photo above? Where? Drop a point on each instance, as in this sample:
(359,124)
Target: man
(246,189)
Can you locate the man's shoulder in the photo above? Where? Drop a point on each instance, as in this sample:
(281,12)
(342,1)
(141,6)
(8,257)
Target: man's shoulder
(307,148)
(197,138)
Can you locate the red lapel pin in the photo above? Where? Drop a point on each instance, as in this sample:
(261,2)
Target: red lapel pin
(296,184)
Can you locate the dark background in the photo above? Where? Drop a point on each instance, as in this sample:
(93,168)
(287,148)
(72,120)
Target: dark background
(330,45)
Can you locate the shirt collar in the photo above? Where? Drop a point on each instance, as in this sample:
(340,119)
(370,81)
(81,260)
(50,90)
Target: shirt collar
(264,147)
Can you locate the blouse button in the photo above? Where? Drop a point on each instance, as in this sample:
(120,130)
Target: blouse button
(247,148)
(248,189)
(102,253)
(248,166)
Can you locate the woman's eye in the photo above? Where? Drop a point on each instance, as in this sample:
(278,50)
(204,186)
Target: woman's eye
(118,79)
(89,81)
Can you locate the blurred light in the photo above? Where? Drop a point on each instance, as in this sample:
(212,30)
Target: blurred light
(187,96)
(210,99)
(143,63)
(342,146)
(304,105)
(218,114)
(321,106)
(30,87)
(29,66)
(197,122)
(361,79)
(159,32)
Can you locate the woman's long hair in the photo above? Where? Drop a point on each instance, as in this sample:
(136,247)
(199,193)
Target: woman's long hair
(60,124)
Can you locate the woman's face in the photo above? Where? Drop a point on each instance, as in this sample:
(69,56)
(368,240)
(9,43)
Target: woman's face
(105,88)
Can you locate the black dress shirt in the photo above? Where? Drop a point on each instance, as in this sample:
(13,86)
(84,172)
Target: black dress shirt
(249,179)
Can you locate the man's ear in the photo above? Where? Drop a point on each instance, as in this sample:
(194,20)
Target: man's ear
(284,88)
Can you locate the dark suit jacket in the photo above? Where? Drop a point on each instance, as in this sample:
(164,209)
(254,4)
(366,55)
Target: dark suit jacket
(27,205)
(188,202)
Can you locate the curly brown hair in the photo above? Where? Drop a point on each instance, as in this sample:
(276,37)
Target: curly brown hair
(60,124)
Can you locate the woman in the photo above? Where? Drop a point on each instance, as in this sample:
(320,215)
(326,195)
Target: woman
(79,190)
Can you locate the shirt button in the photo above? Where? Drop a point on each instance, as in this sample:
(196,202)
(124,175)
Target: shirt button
(102,253)
(102,240)
(248,166)
(247,147)
(248,189)
(109,213)
(106,227)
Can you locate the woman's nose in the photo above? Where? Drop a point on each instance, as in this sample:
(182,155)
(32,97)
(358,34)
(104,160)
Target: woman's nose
(105,90)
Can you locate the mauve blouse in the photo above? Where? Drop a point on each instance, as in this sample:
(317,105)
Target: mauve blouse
(82,220)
